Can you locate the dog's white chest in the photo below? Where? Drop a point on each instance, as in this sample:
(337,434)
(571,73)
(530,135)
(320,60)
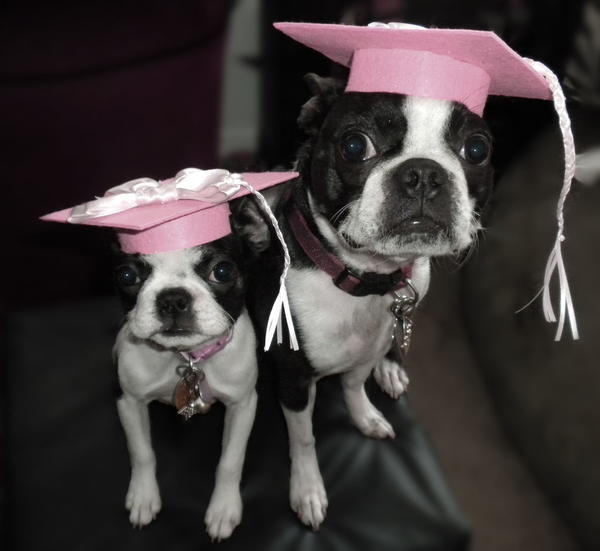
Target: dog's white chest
(150,374)
(339,331)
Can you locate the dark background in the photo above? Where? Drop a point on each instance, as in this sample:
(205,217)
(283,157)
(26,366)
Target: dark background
(96,93)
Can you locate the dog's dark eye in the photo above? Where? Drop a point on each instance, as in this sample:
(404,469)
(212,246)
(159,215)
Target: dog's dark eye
(223,272)
(356,147)
(476,149)
(126,276)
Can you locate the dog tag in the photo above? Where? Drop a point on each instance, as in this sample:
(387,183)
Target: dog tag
(403,309)
(187,395)
(402,335)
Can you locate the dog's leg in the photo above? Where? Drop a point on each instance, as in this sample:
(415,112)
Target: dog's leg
(390,375)
(308,498)
(224,511)
(369,420)
(143,496)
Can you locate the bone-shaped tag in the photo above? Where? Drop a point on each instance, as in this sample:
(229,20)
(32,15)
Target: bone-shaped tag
(187,396)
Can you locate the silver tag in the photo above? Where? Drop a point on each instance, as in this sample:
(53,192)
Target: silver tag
(187,396)
(403,309)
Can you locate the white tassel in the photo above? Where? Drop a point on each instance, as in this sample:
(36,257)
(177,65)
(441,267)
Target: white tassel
(281,303)
(555,260)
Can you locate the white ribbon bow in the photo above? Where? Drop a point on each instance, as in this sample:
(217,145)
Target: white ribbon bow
(212,186)
(394,25)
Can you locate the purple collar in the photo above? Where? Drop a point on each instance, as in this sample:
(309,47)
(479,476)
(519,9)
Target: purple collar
(367,283)
(208,351)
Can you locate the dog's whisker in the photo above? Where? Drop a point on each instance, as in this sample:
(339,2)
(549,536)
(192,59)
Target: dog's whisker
(230,317)
(336,215)
(464,256)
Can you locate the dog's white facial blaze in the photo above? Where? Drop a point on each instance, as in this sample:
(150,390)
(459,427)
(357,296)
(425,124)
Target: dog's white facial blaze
(176,269)
(427,122)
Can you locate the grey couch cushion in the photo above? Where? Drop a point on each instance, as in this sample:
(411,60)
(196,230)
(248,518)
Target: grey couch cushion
(499,493)
(547,392)
(68,466)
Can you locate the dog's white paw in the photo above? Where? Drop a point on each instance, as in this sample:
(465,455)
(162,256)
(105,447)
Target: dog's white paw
(308,499)
(224,513)
(142,500)
(391,378)
(372,423)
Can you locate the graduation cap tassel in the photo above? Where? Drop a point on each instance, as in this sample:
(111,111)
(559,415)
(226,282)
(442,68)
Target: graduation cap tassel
(555,261)
(281,305)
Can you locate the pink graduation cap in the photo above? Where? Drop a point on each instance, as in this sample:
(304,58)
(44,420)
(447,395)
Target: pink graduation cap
(191,209)
(450,64)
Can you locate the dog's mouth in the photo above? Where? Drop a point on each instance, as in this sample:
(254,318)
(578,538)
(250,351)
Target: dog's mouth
(186,340)
(421,226)
(176,332)
(179,338)
(177,329)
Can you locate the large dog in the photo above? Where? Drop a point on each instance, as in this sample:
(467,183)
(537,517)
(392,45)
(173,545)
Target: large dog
(386,182)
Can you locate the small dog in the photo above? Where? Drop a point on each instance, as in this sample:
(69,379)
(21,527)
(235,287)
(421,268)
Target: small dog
(181,306)
(386,182)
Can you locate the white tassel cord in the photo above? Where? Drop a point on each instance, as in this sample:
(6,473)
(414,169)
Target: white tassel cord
(281,303)
(555,260)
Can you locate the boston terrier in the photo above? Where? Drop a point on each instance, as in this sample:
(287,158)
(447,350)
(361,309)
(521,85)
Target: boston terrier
(187,340)
(387,181)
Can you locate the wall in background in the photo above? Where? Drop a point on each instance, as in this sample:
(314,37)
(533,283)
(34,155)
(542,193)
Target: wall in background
(239,114)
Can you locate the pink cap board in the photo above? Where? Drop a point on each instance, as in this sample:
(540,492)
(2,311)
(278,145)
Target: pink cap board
(152,216)
(453,64)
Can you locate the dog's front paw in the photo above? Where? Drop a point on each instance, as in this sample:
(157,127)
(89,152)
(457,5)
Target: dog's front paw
(143,500)
(372,423)
(391,378)
(224,513)
(308,499)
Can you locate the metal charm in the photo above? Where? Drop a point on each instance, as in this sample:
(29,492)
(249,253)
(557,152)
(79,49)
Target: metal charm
(187,396)
(403,309)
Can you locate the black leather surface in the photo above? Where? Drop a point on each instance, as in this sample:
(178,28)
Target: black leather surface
(68,465)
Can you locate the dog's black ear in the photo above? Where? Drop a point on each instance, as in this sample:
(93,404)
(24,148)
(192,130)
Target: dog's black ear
(114,248)
(249,221)
(322,85)
(326,91)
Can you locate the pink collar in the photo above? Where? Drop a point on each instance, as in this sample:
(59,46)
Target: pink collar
(209,350)
(192,393)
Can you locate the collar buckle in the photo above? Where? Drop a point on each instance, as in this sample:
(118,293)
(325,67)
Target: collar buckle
(369,284)
(349,282)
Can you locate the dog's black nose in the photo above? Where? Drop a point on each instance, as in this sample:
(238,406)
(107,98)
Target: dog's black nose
(421,177)
(173,302)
